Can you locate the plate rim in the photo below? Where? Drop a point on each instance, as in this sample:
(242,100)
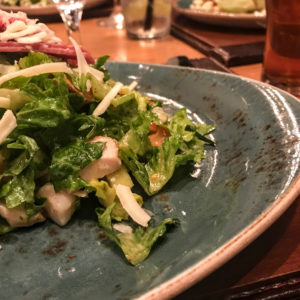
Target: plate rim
(219,257)
(219,15)
(224,19)
(239,242)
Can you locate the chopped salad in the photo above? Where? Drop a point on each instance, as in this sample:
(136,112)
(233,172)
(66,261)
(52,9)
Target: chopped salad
(25,2)
(71,134)
(229,6)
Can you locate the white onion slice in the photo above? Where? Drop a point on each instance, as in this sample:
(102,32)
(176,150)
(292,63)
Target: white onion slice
(149,212)
(58,67)
(104,104)
(8,123)
(131,206)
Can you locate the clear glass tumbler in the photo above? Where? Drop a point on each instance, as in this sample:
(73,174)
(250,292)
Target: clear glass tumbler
(281,65)
(147,19)
(116,18)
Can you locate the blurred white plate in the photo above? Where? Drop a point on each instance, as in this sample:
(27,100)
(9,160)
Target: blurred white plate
(45,10)
(244,20)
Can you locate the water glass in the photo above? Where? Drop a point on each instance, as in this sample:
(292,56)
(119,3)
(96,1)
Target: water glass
(147,19)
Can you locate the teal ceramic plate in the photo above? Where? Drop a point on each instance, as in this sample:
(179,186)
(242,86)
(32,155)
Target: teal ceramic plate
(245,20)
(245,184)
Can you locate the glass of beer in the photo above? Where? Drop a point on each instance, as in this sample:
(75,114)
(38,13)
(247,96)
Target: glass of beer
(282,51)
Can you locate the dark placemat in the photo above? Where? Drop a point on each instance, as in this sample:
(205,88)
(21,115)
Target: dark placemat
(205,63)
(230,46)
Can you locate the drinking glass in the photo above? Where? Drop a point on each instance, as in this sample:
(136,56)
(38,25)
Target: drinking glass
(116,18)
(71,14)
(282,51)
(147,19)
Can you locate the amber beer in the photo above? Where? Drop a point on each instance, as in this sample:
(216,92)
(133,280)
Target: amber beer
(282,50)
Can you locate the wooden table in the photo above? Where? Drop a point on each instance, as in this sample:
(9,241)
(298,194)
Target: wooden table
(270,266)
(99,41)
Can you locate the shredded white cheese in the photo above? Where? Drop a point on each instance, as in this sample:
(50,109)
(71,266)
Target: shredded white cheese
(97,74)
(58,67)
(12,35)
(149,212)
(132,85)
(83,67)
(123,228)
(104,104)
(7,124)
(4,69)
(35,38)
(131,206)
(81,194)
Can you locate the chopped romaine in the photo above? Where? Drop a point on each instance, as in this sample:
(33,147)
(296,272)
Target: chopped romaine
(55,147)
(136,245)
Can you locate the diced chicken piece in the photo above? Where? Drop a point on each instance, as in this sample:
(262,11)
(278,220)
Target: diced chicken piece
(60,206)
(108,163)
(17,217)
(160,113)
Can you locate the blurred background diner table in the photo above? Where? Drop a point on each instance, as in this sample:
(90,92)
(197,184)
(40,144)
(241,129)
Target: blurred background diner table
(269,268)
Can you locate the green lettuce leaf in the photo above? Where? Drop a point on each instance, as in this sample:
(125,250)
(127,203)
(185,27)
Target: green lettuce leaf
(40,86)
(193,137)
(107,196)
(33,59)
(137,245)
(79,126)
(28,148)
(46,113)
(86,126)
(20,189)
(100,66)
(154,166)
(68,161)
(119,119)
(154,174)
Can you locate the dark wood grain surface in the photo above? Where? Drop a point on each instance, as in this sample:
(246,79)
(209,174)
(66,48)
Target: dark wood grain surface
(230,46)
(261,271)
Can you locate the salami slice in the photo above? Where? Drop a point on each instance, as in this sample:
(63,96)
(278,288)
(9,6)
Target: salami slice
(63,51)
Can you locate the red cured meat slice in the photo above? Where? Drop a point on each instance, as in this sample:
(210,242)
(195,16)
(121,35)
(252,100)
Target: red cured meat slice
(64,51)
